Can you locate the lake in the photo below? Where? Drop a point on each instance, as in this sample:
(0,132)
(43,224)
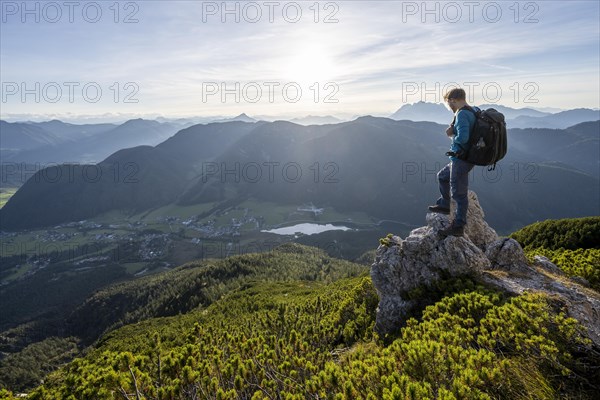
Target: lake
(307,229)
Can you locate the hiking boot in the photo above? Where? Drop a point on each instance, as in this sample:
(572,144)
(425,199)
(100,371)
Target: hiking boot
(439,209)
(452,230)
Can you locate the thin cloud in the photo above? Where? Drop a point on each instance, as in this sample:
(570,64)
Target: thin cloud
(371,51)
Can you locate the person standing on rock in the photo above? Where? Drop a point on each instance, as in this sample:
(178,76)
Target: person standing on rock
(454,177)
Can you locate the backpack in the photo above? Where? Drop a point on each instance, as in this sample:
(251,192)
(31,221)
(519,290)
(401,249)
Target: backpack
(487,140)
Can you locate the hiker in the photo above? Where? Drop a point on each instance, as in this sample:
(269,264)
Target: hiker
(454,177)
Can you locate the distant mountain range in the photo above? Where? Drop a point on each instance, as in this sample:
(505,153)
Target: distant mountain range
(58,142)
(515,118)
(559,120)
(379,166)
(577,146)
(22,136)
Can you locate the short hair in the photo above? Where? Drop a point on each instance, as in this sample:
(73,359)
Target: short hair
(456,94)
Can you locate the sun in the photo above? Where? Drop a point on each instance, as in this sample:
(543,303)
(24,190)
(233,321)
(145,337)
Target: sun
(311,63)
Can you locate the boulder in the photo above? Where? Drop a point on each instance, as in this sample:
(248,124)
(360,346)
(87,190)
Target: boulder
(507,254)
(424,257)
(403,267)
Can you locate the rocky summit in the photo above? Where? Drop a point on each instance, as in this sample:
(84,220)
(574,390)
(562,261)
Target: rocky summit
(404,266)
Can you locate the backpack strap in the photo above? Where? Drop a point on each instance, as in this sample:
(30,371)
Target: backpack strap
(468,107)
(465,107)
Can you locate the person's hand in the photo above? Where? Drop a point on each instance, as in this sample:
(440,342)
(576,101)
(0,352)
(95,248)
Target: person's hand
(450,131)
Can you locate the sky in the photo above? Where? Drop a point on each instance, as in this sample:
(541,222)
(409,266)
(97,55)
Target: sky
(74,60)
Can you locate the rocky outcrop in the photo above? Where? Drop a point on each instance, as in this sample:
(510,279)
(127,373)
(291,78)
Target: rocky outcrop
(478,231)
(403,266)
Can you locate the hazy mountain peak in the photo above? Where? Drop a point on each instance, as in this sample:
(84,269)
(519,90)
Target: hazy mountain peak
(137,120)
(243,117)
(515,117)
(423,111)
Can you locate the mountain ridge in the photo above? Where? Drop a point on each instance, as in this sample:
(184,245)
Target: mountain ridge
(515,118)
(338,168)
(87,143)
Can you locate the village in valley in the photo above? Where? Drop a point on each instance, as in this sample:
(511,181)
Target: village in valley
(152,242)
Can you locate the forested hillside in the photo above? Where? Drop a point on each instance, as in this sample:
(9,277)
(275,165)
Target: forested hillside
(200,284)
(312,340)
(294,323)
(192,285)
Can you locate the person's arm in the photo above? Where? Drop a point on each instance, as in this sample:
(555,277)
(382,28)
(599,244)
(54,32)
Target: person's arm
(461,130)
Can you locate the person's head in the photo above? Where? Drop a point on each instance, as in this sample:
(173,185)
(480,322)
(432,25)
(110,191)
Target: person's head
(456,98)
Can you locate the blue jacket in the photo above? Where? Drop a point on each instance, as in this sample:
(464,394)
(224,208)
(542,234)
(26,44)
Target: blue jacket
(463,125)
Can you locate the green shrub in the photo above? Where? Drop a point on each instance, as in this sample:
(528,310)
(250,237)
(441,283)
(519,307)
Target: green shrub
(570,233)
(581,262)
(310,340)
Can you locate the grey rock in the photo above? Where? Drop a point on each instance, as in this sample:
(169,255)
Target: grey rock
(425,257)
(478,230)
(547,265)
(581,280)
(394,309)
(508,255)
(421,259)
